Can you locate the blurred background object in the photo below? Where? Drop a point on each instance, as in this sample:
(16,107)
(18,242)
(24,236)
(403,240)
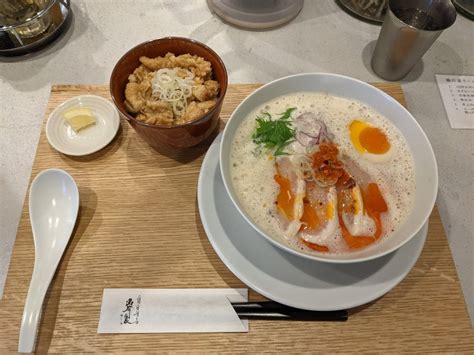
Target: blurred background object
(371,10)
(256,15)
(408,31)
(27,25)
(465,7)
(375,10)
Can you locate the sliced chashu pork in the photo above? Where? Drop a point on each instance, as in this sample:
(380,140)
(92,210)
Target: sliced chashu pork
(290,197)
(320,219)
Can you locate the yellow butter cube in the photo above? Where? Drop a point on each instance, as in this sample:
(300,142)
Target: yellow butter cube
(77,111)
(80,122)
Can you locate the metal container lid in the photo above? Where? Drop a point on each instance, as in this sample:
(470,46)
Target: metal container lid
(14,13)
(33,27)
(256,15)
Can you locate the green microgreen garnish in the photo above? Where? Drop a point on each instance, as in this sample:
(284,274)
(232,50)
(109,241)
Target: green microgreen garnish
(274,135)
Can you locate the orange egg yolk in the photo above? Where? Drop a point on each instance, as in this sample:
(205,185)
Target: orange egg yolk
(311,221)
(374,140)
(286,197)
(310,218)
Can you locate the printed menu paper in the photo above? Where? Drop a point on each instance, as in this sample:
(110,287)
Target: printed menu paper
(457,92)
(129,310)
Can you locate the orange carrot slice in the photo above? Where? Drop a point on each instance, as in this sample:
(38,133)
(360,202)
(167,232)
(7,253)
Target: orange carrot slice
(373,199)
(316,247)
(375,205)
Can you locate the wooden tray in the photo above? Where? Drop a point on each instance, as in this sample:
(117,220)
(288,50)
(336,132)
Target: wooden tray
(139,226)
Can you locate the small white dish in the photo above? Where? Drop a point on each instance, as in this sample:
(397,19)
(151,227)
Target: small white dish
(284,277)
(89,140)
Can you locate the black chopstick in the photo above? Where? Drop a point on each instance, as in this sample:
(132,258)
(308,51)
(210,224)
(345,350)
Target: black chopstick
(276,311)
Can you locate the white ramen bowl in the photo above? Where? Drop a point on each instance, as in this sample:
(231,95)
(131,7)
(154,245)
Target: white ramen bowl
(426,171)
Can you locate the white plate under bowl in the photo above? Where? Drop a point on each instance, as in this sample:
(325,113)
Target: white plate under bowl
(285,277)
(89,140)
(426,171)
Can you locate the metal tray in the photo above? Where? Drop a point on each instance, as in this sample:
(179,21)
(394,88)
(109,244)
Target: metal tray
(11,44)
(370,14)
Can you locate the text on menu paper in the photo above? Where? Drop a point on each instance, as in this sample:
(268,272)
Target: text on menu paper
(457,92)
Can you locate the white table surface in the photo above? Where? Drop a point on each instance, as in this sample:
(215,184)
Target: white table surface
(323,38)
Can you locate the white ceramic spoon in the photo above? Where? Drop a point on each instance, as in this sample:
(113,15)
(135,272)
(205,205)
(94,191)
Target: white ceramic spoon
(54,203)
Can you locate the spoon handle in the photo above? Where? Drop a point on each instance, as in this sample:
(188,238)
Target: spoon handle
(40,281)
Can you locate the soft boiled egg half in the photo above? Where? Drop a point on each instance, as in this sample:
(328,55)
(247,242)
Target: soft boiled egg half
(370,142)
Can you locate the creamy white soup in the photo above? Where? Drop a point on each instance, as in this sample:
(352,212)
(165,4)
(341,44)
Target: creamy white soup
(322,173)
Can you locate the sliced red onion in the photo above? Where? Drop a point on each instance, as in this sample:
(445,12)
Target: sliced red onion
(306,123)
(324,135)
(311,130)
(305,139)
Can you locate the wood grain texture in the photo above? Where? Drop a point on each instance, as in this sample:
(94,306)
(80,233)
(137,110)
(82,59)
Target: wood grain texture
(139,226)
